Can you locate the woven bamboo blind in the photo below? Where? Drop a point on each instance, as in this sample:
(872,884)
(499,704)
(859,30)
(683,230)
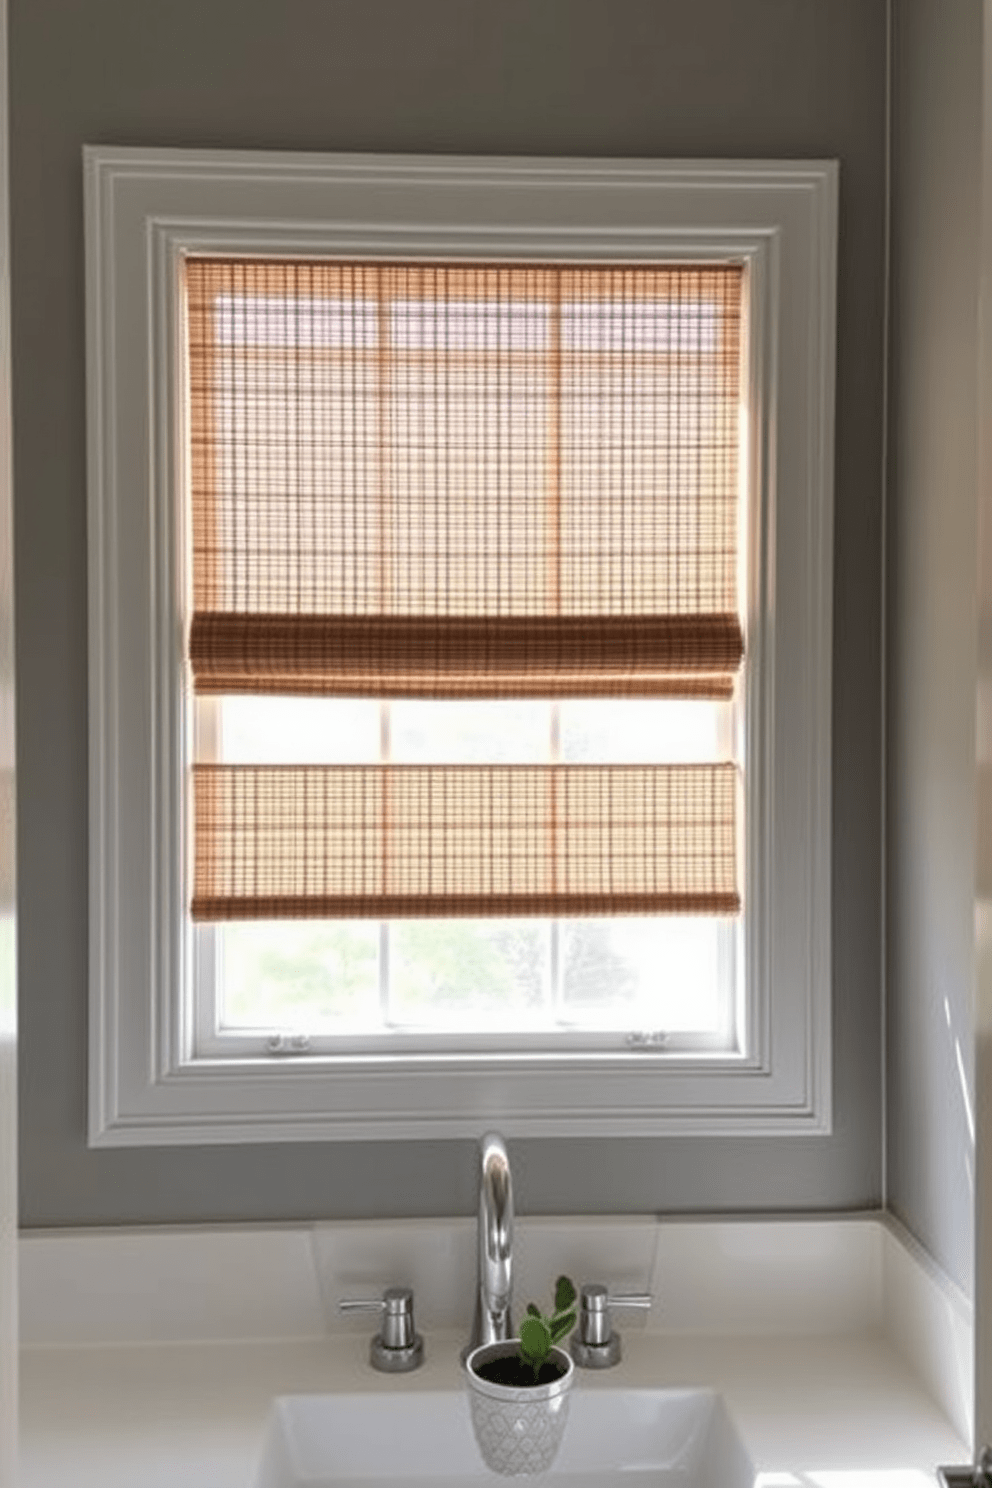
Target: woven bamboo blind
(453,480)
(449,480)
(473,840)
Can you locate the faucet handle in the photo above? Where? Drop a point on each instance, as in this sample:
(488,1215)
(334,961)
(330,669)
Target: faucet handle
(640,1300)
(397,1347)
(597,1346)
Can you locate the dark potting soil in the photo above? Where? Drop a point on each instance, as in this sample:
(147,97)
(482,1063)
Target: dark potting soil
(521,1376)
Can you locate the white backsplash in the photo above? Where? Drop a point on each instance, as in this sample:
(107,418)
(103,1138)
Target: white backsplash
(721,1277)
(438,1259)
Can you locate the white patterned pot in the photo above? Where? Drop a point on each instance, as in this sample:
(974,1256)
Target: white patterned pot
(518,1429)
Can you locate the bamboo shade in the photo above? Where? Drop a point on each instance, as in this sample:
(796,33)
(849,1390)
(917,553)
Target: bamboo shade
(458,481)
(463,480)
(288,841)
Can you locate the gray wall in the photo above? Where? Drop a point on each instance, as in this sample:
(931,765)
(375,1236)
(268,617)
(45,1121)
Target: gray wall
(932,534)
(8,792)
(755,78)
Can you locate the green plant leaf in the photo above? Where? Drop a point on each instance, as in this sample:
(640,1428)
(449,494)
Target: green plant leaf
(535,1339)
(562,1326)
(538,1333)
(564,1294)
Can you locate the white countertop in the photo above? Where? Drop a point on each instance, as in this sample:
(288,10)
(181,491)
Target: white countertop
(192,1415)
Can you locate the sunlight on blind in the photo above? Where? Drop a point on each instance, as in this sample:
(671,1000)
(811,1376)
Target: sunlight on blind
(464,481)
(445,480)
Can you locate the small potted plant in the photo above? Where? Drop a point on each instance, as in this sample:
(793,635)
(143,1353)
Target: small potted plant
(519,1390)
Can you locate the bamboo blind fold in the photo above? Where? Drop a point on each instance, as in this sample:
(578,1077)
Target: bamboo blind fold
(460,481)
(464,480)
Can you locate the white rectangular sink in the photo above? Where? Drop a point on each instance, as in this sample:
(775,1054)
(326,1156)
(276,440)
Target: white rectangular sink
(667,1438)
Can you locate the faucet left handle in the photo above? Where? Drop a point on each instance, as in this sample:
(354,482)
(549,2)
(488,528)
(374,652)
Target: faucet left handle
(397,1347)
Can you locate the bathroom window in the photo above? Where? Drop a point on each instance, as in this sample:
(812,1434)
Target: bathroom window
(465,753)
(465,646)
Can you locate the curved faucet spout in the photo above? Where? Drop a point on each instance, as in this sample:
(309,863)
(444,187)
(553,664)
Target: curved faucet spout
(492,1315)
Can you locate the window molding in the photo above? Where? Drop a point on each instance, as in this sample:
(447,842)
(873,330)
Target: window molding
(144,208)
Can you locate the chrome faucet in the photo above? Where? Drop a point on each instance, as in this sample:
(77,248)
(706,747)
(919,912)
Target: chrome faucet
(494,1297)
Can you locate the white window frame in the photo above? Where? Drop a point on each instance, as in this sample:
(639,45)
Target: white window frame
(144,210)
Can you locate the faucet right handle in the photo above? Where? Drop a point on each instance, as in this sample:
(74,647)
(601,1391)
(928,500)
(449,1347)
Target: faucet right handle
(596,1345)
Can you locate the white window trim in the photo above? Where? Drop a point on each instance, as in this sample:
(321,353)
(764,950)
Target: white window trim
(144,209)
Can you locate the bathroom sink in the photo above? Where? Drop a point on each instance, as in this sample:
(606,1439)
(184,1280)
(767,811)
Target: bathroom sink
(668,1438)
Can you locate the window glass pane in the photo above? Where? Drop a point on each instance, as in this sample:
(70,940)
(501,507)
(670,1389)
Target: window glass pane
(305,730)
(667,973)
(476,732)
(307,974)
(299,730)
(660,974)
(469,974)
(640,731)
